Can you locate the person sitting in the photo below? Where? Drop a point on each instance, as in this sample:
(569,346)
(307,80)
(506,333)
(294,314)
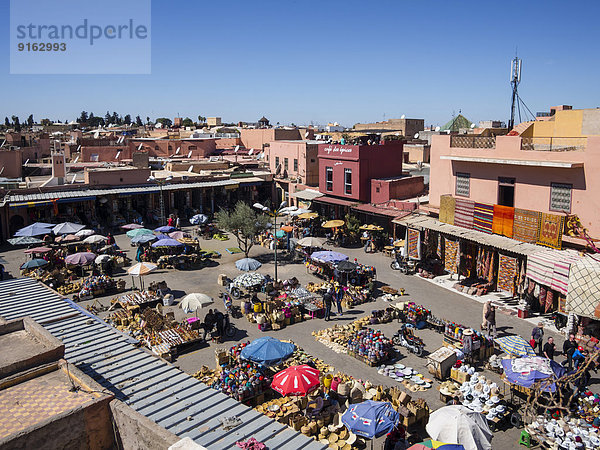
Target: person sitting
(209,321)
(220,322)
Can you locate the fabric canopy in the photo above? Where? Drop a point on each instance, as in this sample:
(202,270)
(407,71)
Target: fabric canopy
(296,380)
(328,256)
(551,268)
(371,419)
(267,351)
(247,264)
(583,296)
(531,369)
(460,425)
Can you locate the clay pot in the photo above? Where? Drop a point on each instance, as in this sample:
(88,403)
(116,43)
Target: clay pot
(305,430)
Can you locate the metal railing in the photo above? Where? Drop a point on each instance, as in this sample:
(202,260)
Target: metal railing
(465,141)
(554,144)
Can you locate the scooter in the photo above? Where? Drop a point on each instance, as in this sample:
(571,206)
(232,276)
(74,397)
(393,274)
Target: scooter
(228,328)
(229,306)
(406,267)
(405,337)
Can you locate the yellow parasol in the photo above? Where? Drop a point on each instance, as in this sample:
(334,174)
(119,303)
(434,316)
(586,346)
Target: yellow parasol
(308,215)
(371,227)
(333,224)
(188,241)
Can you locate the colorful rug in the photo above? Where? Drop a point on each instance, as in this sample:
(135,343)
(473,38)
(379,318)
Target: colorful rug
(503,220)
(463,213)
(447,209)
(550,230)
(525,225)
(562,266)
(451,255)
(583,297)
(507,272)
(483,217)
(413,240)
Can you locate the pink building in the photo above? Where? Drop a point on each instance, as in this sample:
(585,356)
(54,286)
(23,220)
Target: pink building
(545,172)
(346,171)
(257,138)
(295,165)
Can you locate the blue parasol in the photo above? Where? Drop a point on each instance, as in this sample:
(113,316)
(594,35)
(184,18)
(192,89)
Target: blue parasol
(67,228)
(247,264)
(34,263)
(167,243)
(371,419)
(35,229)
(143,239)
(329,256)
(267,351)
(25,240)
(165,229)
(138,232)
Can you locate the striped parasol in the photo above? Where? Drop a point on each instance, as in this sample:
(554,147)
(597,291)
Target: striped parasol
(515,345)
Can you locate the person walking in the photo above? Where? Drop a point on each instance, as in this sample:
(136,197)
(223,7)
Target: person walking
(489,318)
(569,348)
(328,301)
(170,222)
(537,335)
(338,294)
(549,348)
(177,223)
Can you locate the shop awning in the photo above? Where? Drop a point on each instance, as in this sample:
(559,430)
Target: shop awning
(335,201)
(381,211)
(307,194)
(85,192)
(422,222)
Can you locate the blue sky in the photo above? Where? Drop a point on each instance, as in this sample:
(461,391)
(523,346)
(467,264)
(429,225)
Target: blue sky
(303,61)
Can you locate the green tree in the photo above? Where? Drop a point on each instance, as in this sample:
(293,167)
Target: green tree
(187,122)
(127,119)
(352,225)
(108,118)
(138,121)
(16,123)
(30,120)
(244,223)
(147,119)
(6,122)
(166,122)
(45,122)
(201,119)
(83,117)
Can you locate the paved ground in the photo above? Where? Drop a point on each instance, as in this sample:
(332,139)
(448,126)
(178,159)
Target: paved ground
(444,303)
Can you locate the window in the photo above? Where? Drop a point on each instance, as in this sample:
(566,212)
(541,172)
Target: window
(295,165)
(312,160)
(377,189)
(463,184)
(329,178)
(348,181)
(285,164)
(560,197)
(506,191)
(276,162)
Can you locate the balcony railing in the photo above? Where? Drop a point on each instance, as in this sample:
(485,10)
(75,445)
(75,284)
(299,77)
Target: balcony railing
(462,141)
(554,144)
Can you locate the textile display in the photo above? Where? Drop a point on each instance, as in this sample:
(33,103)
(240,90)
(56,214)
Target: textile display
(413,239)
(525,225)
(451,255)
(542,297)
(447,209)
(507,273)
(463,213)
(551,268)
(483,217)
(438,252)
(550,230)
(583,296)
(549,300)
(503,220)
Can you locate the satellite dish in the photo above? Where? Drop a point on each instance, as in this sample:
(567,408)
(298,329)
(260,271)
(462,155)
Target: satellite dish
(74,162)
(416,135)
(96,135)
(140,147)
(437,128)
(177,151)
(118,154)
(190,154)
(251,151)
(73,180)
(191,169)
(78,147)
(403,116)
(306,134)
(26,162)
(472,126)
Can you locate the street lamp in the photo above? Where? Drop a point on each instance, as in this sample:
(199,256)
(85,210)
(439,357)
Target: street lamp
(161,182)
(275,214)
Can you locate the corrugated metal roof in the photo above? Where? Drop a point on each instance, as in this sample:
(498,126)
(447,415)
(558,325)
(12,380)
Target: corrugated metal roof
(151,386)
(420,221)
(144,189)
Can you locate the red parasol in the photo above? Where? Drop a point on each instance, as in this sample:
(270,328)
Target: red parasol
(296,380)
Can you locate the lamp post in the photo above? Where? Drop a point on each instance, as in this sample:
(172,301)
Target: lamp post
(161,182)
(275,214)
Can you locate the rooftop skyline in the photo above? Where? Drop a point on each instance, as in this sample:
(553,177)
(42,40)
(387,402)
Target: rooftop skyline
(337,61)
